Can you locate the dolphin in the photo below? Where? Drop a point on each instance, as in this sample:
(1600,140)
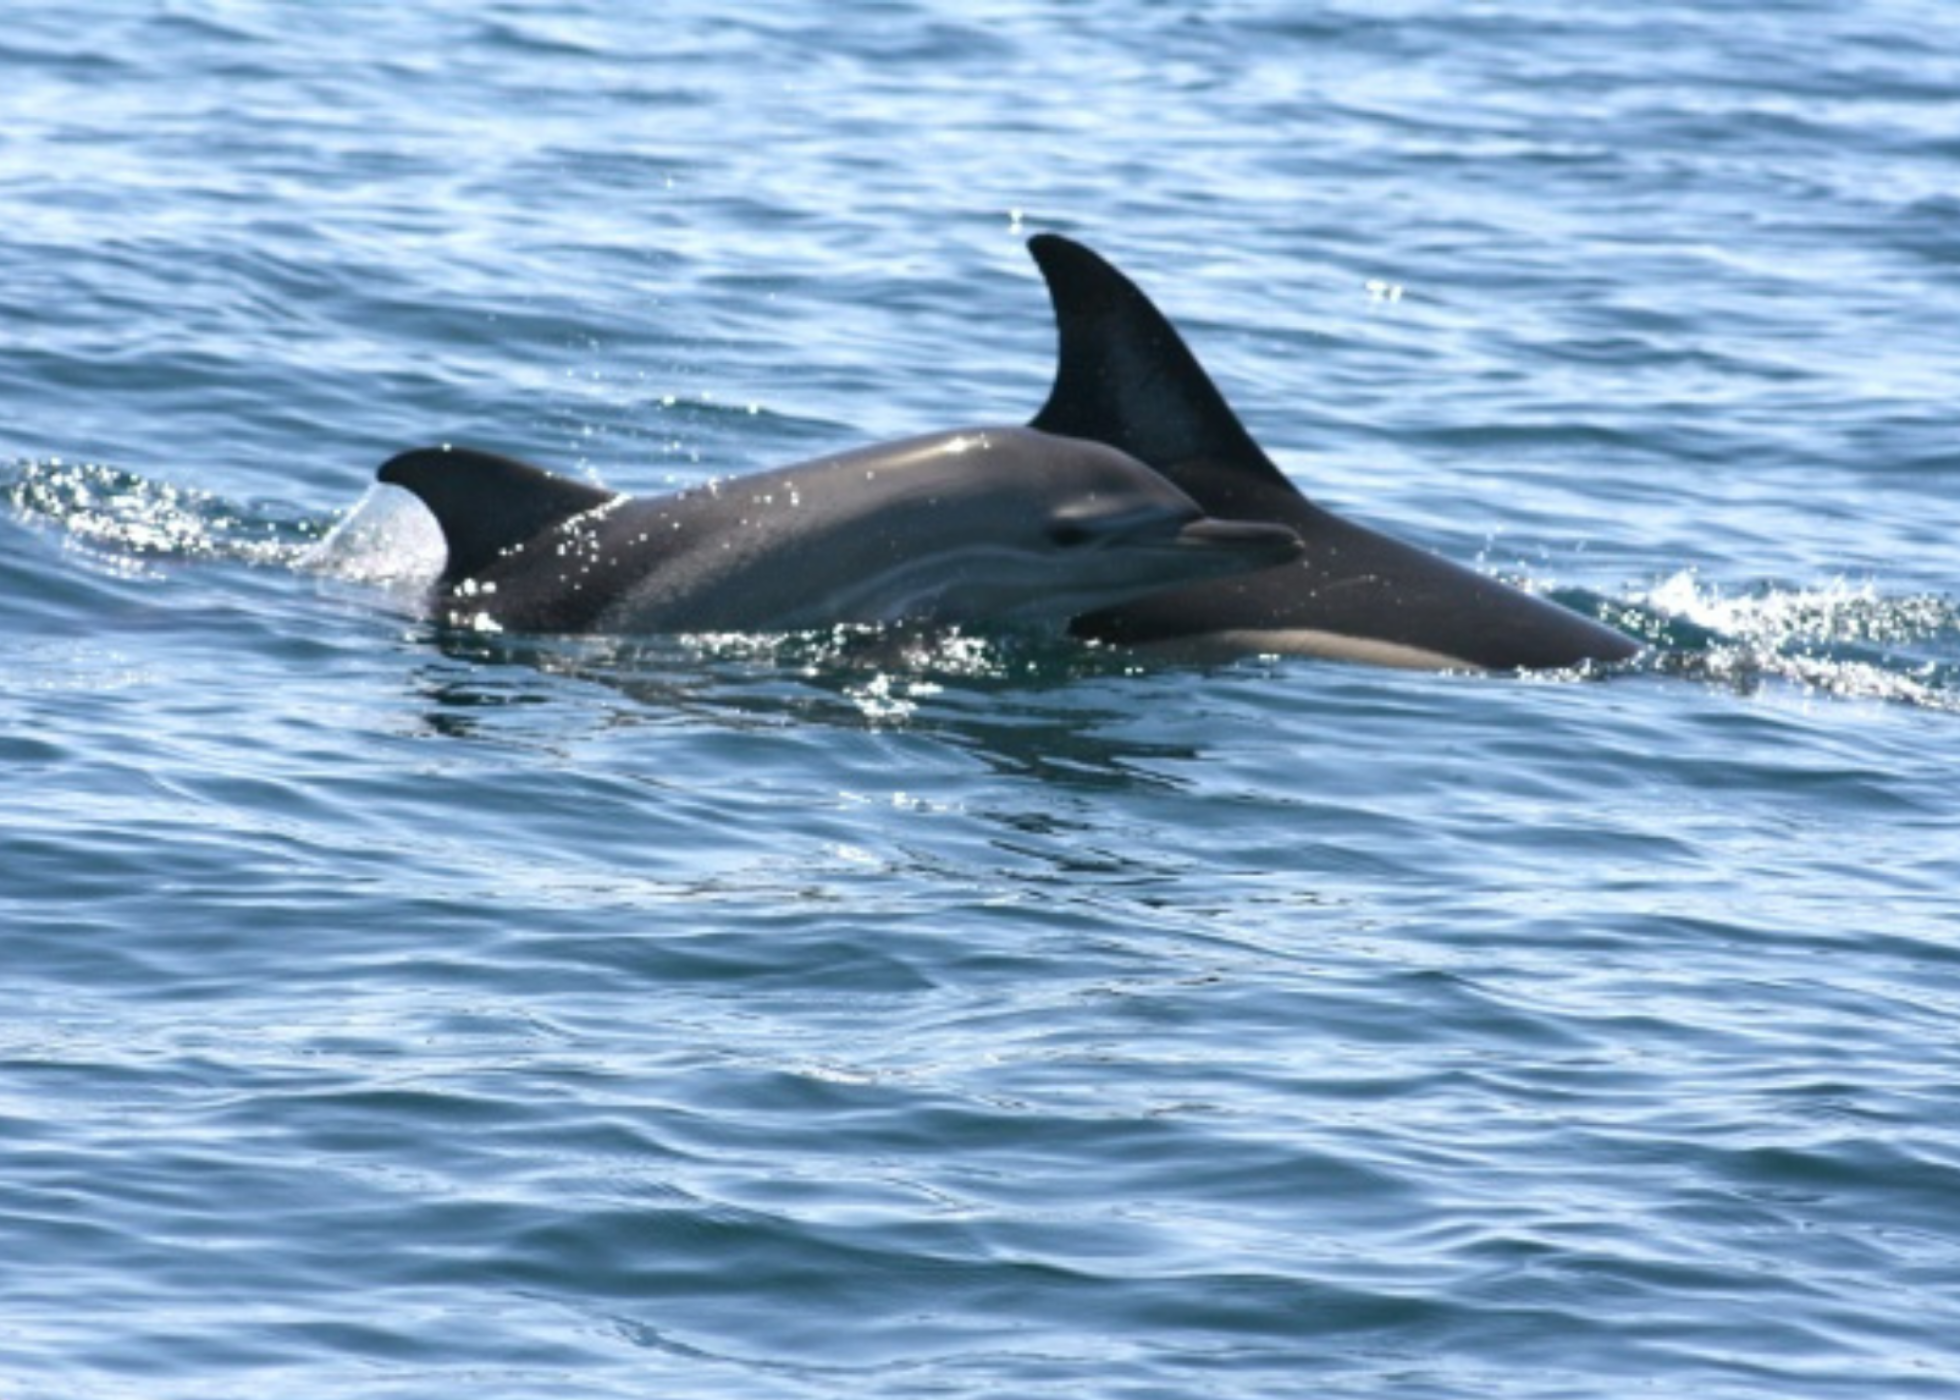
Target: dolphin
(1125,377)
(985,525)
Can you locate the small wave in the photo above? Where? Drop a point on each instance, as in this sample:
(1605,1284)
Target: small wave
(126,521)
(125,518)
(1842,638)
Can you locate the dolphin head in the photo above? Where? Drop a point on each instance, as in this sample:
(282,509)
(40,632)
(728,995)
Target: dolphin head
(1056,526)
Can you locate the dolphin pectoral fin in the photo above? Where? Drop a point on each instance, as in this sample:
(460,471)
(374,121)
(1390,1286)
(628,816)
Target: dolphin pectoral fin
(1125,377)
(1259,544)
(487,504)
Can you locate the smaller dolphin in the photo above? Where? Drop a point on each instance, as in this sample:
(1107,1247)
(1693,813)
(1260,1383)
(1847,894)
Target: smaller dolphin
(1125,377)
(986,525)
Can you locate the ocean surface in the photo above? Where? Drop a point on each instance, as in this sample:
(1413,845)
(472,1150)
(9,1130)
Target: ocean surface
(397,1013)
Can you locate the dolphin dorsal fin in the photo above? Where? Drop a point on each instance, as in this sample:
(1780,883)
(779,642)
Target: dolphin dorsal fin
(1125,377)
(487,504)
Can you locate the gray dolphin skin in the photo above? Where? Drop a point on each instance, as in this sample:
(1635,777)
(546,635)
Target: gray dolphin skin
(1004,524)
(1126,378)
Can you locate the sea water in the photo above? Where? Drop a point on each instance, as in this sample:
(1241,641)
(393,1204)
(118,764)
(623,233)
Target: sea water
(399,1013)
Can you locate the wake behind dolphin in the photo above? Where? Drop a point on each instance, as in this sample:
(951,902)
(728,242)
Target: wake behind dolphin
(981,526)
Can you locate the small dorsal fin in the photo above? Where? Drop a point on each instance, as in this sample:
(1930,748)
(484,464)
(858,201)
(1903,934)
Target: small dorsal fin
(486,503)
(1125,377)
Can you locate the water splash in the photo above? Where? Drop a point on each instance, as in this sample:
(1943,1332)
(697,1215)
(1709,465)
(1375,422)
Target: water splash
(129,523)
(1842,638)
(388,538)
(126,521)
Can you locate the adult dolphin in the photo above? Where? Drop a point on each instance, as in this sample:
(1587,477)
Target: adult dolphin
(1125,377)
(987,525)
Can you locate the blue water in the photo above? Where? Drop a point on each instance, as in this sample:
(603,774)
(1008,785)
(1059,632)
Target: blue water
(395,1014)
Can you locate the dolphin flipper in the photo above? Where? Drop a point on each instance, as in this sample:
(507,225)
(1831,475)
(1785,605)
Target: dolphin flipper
(487,504)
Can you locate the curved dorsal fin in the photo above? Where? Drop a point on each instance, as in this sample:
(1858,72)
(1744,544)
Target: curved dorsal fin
(1125,377)
(487,504)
